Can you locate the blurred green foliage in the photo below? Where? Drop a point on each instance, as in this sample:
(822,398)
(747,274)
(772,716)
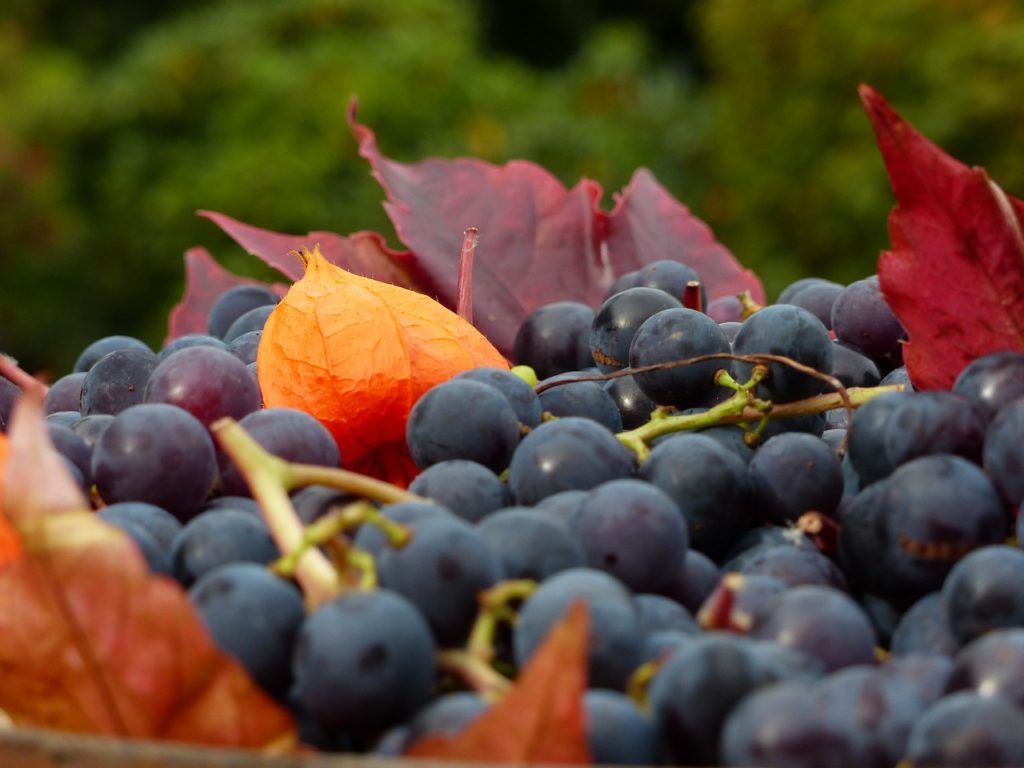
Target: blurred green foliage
(120,119)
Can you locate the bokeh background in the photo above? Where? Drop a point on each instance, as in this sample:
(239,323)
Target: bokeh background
(119,119)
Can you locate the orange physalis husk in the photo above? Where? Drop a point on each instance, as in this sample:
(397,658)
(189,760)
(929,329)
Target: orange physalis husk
(10,544)
(357,354)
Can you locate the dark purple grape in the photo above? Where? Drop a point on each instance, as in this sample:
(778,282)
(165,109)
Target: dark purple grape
(900,536)
(409,514)
(462,419)
(158,558)
(866,447)
(468,489)
(853,368)
(561,506)
(992,380)
(190,340)
(798,285)
(616,640)
(726,310)
(817,298)
(253,320)
(822,622)
(566,454)
(617,321)
(691,584)
(245,346)
(207,382)
(659,613)
(219,537)
(65,394)
(310,503)
(783,726)
(116,381)
(932,422)
(673,335)
(241,503)
(441,571)
(789,331)
(992,665)
(898,375)
(364,662)
(618,733)
(924,628)
(862,318)
(89,428)
(633,530)
(1001,453)
(796,565)
(234,303)
(254,616)
(585,399)
(288,433)
(926,674)
(520,395)
(634,406)
(555,338)
(72,447)
(667,275)
(530,544)
(92,353)
(702,682)
(156,453)
(160,523)
(985,591)
(967,729)
(710,484)
(794,473)
(64,418)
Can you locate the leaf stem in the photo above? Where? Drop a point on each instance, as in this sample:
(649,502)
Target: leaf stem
(464,288)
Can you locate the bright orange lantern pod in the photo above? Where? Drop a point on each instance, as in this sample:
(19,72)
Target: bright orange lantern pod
(10,544)
(357,354)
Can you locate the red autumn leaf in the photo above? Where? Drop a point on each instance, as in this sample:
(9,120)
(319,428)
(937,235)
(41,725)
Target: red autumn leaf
(955,274)
(205,280)
(539,242)
(90,640)
(363,253)
(541,720)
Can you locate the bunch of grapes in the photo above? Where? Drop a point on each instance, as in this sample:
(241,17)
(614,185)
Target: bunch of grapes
(790,555)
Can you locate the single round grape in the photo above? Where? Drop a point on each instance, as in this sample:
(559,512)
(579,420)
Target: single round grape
(364,662)
(586,399)
(1001,454)
(555,338)
(468,489)
(156,453)
(246,346)
(156,520)
(116,381)
(65,394)
(97,349)
(634,406)
(618,733)
(861,317)
(866,447)
(992,665)
(633,530)
(566,454)
(992,380)
(793,473)
(924,628)
(853,368)
(207,382)
(672,335)
(530,544)
(933,422)
(462,419)
(822,622)
(789,331)
(254,616)
(219,537)
(520,395)
(190,340)
(235,302)
(985,591)
(817,298)
(253,320)
(967,729)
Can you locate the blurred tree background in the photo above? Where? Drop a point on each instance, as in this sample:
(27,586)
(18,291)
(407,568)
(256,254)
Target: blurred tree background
(120,119)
